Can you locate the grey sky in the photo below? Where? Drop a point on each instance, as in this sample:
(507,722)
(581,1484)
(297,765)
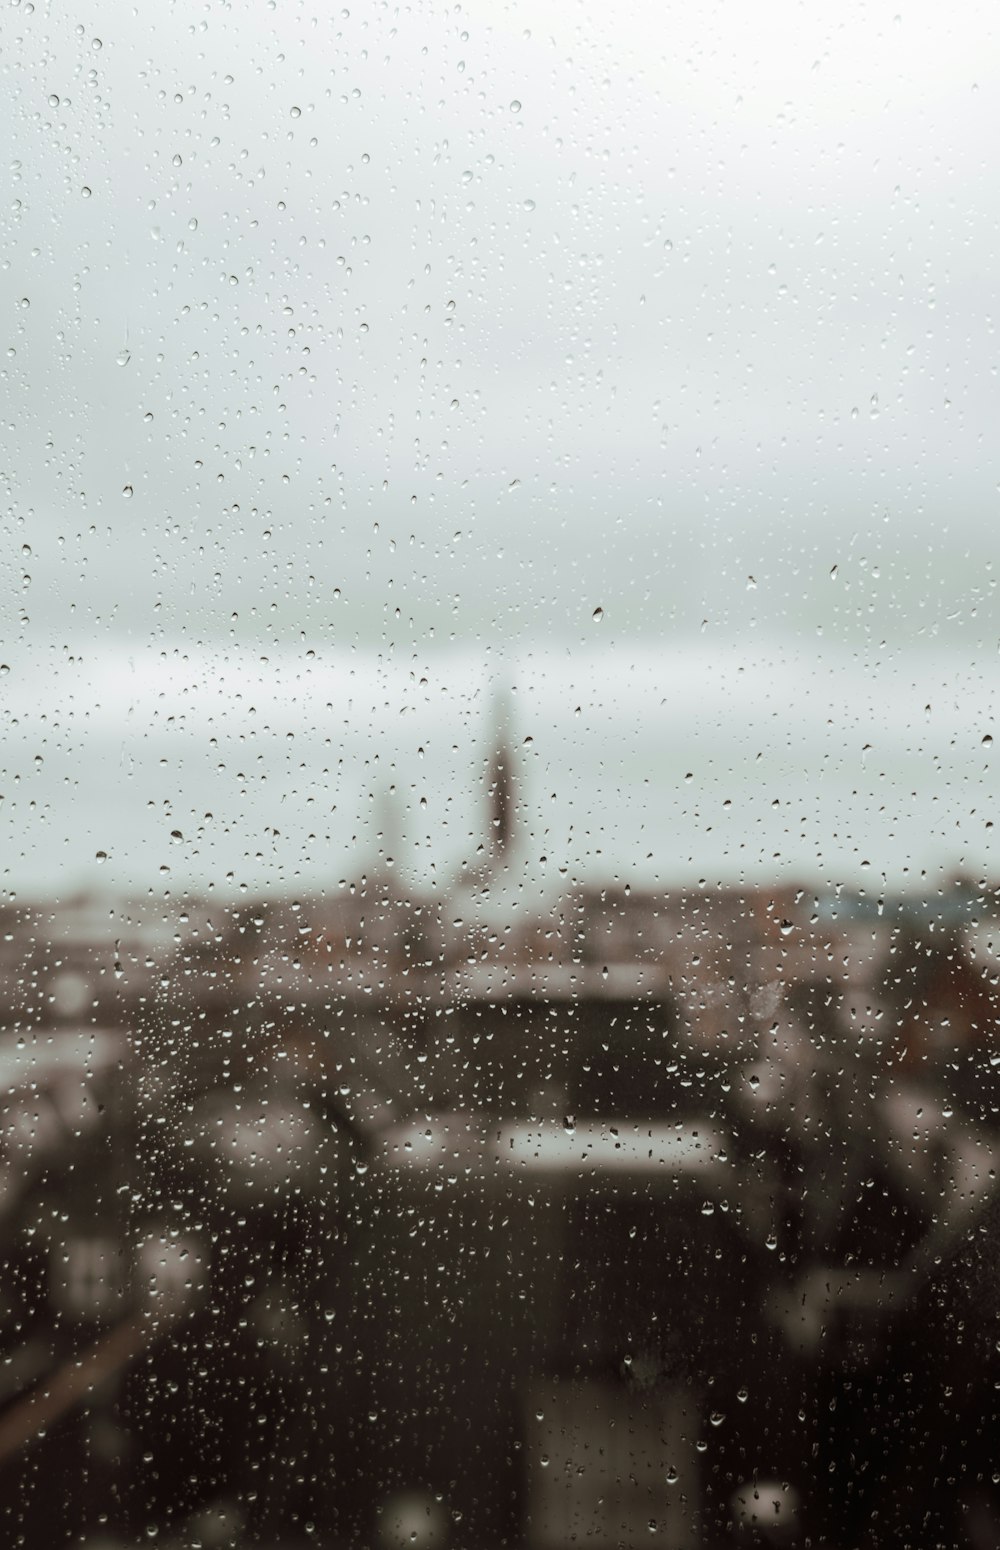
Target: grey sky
(412,328)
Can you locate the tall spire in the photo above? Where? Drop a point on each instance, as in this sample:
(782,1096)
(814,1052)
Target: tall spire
(500,787)
(388,838)
(501,802)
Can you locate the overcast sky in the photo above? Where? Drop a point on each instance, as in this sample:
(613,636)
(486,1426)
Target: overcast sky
(410,335)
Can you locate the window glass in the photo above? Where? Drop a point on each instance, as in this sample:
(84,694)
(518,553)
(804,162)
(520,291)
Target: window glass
(498,662)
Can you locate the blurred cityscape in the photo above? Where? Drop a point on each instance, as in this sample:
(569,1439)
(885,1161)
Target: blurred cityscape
(499,673)
(367,1218)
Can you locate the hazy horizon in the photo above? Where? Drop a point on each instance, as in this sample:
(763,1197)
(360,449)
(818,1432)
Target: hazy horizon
(413,340)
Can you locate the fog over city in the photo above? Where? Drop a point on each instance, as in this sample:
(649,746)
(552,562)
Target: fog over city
(499,679)
(364,365)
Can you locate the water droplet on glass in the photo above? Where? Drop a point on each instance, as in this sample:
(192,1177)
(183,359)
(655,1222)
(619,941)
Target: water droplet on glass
(127,492)
(515,106)
(101,857)
(598,615)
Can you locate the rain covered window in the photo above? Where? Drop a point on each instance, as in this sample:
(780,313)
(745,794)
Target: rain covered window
(499,929)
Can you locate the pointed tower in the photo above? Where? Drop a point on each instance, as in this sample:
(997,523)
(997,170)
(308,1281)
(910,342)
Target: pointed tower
(500,784)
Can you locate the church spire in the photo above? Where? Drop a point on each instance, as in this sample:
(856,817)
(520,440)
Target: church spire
(500,783)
